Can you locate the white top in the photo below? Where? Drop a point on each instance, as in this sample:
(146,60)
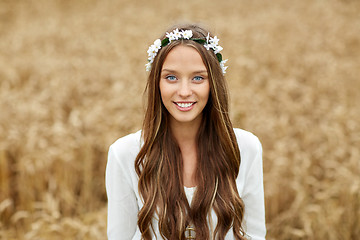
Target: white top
(124,201)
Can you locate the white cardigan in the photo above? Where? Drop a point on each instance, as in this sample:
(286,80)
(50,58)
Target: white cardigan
(124,201)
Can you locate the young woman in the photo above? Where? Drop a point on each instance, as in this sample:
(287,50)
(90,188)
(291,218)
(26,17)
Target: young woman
(187,174)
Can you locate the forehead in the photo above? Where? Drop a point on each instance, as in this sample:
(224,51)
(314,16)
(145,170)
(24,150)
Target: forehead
(184,58)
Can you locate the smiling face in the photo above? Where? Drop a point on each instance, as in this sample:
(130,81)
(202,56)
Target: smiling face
(184,85)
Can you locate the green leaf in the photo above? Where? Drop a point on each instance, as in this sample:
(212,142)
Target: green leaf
(219,57)
(165,42)
(198,40)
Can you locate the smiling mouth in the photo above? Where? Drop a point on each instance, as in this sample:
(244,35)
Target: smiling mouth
(184,105)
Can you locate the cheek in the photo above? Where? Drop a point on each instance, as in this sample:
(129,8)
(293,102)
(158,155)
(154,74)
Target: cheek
(206,92)
(207,96)
(164,92)
(161,89)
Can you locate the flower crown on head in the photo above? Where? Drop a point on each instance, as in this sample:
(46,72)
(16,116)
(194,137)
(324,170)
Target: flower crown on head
(208,43)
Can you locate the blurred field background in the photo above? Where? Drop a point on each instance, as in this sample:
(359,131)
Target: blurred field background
(71,82)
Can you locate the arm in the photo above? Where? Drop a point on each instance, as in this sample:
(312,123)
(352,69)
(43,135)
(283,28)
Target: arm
(253,196)
(122,203)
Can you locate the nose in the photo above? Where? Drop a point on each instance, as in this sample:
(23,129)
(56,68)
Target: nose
(185,89)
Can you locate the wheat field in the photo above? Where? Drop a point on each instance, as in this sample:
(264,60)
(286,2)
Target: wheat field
(71,82)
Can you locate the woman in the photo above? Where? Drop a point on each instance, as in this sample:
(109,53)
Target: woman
(181,177)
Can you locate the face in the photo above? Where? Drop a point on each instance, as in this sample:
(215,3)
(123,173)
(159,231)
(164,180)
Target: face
(184,85)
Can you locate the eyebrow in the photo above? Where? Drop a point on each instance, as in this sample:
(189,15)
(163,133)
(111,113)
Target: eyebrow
(173,71)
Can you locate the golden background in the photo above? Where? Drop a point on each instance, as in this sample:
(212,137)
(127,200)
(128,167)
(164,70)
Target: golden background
(71,81)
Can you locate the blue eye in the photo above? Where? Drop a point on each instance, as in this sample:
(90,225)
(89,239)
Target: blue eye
(171,78)
(198,78)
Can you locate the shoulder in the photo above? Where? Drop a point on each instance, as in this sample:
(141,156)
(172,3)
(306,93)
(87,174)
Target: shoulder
(247,141)
(128,141)
(126,147)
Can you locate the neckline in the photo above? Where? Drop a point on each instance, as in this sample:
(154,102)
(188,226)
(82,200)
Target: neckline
(190,188)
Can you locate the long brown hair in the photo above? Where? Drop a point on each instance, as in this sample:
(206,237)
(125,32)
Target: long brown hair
(159,163)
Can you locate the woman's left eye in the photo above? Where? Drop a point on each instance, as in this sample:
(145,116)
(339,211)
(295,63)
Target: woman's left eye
(198,78)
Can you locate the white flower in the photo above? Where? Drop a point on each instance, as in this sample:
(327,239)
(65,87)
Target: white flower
(148,66)
(157,44)
(170,36)
(222,65)
(207,38)
(152,51)
(187,34)
(212,46)
(224,69)
(214,41)
(223,61)
(217,49)
(177,34)
(207,46)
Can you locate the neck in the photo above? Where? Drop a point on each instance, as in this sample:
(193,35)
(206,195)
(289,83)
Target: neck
(185,132)
(186,137)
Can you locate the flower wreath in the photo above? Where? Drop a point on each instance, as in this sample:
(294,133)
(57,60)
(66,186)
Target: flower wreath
(208,43)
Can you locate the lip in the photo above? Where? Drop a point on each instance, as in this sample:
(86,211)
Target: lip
(185,109)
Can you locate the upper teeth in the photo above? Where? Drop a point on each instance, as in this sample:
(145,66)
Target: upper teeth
(184,105)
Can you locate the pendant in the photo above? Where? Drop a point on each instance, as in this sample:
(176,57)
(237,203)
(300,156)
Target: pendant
(190,232)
